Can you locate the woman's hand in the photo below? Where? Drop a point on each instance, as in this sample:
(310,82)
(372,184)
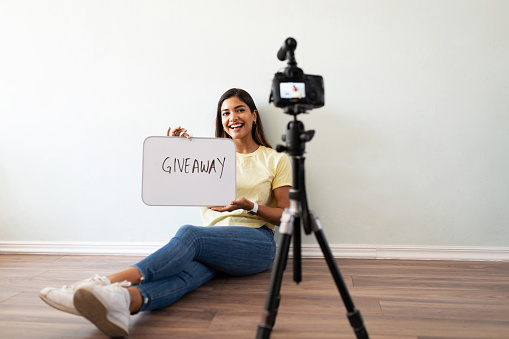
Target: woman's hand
(270,214)
(178,132)
(241,203)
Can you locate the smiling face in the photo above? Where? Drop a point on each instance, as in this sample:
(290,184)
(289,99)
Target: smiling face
(237,119)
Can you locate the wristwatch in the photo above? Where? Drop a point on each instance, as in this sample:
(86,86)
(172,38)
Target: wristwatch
(254,210)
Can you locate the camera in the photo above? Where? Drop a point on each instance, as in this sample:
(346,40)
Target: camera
(293,90)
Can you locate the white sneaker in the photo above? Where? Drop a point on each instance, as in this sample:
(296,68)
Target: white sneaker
(105,306)
(61,298)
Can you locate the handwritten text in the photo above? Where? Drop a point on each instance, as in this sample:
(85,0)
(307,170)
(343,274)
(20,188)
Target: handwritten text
(189,166)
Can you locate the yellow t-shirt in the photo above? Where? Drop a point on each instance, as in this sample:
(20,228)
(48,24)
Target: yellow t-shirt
(257,175)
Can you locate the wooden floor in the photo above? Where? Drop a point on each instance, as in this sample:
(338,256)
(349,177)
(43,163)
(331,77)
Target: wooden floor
(397,299)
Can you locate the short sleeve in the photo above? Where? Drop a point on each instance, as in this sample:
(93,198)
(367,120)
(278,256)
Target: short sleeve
(283,176)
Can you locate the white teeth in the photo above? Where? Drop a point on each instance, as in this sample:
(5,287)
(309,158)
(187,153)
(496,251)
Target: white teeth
(236,126)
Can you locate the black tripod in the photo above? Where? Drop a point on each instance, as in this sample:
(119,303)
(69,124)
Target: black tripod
(295,138)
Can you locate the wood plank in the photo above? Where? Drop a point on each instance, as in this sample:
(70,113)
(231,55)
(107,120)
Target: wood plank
(398,299)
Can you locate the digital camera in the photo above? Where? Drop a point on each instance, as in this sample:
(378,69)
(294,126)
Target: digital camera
(292,89)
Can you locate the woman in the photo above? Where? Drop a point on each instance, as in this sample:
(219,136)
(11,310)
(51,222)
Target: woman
(241,241)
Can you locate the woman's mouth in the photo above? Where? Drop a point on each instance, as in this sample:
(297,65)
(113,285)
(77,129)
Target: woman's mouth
(236,126)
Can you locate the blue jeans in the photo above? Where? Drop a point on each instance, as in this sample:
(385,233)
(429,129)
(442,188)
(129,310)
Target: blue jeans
(197,254)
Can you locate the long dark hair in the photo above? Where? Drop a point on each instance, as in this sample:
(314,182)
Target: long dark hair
(245,97)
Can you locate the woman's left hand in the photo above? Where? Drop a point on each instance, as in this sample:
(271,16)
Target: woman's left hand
(240,203)
(270,214)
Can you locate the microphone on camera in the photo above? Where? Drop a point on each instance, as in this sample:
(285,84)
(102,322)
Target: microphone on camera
(290,44)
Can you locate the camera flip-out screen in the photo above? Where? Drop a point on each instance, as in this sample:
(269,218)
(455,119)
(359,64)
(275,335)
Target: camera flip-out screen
(292,90)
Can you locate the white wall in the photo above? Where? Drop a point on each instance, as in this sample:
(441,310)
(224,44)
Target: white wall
(410,149)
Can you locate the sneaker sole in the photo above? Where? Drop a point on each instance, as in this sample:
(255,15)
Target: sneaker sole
(92,308)
(59,307)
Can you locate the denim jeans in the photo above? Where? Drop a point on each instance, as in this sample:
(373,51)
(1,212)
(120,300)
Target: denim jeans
(197,254)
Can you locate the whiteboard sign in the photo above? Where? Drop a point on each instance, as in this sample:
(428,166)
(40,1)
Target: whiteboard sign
(182,172)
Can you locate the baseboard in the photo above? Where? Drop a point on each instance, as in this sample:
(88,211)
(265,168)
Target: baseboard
(79,248)
(308,251)
(411,252)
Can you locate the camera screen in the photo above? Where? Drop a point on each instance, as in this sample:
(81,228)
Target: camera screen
(292,90)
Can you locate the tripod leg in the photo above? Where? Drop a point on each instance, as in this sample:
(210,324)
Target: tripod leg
(273,295)
(353,314)
(297,253)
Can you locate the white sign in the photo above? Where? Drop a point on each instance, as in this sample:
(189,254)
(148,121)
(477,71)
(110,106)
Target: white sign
(182,172)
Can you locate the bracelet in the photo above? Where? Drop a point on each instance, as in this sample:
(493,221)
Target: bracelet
(254,210)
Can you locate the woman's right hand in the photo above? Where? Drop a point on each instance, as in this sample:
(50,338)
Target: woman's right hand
(178,132)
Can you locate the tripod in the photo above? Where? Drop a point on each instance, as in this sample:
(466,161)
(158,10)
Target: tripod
(295,138)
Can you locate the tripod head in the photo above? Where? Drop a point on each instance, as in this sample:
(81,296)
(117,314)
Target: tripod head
(295,138)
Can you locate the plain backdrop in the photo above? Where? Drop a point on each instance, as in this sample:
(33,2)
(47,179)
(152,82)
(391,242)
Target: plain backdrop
(410,148)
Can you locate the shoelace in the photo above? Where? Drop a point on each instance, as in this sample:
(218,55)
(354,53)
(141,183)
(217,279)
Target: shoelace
(124,283)
(96,278)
